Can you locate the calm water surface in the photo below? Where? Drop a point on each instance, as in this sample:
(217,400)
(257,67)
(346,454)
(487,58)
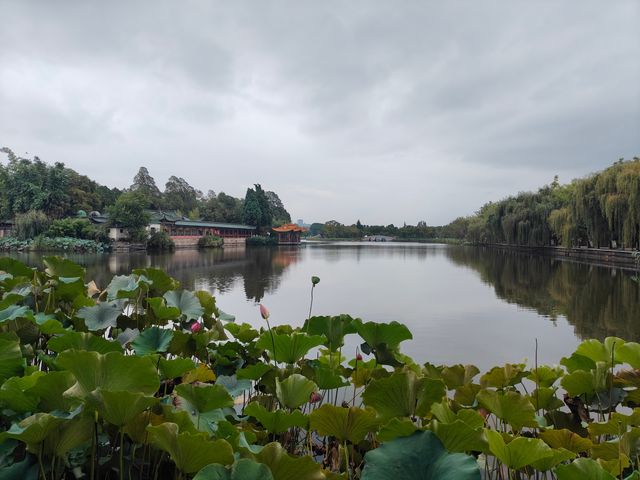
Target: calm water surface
(463,304)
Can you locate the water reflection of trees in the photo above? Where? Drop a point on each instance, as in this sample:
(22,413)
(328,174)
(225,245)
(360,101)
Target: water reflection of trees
(216,270)
(597,301)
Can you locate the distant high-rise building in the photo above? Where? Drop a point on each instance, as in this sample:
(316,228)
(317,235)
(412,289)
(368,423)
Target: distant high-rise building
(300,222)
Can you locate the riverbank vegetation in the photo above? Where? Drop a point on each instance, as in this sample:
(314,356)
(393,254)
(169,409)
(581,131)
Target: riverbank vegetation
(140,379)
(210,241)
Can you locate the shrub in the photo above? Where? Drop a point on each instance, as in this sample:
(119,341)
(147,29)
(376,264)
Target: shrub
(30,224)
(261,241)
(210,241)
(77,228)
(160,242)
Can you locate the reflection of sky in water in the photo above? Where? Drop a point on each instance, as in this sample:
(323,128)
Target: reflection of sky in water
(463,305)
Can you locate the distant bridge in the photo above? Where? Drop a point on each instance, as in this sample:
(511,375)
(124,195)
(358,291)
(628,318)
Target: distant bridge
(378,238)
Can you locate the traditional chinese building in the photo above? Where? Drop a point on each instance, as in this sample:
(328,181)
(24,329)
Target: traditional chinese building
(288,234)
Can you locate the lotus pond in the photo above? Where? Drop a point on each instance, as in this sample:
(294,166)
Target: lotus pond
(141,379)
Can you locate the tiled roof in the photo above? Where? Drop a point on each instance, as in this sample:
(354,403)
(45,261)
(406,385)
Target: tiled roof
(193,223)
(289,227)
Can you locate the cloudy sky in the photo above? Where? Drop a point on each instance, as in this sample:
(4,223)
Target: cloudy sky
(383,111)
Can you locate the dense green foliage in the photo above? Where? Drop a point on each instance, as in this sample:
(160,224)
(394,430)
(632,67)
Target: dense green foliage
(601,210)
(210,241)
(130,211)
(140,379)
(256,210)
(262,241)
(53,244)
(80,228)
(30,224)
(160,242)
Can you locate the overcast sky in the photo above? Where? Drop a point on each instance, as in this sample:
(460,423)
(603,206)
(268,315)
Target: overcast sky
(383,111)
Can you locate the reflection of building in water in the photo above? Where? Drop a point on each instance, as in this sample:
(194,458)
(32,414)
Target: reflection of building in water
(597,301)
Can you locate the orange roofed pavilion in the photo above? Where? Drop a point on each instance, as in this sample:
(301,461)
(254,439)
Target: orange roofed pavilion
(289,233)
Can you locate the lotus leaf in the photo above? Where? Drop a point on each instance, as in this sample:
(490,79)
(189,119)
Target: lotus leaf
(511,407)
(458,436)
(203,397)
(244,332)
(176,367)
(285,467)
(122,286)
(277,421)
(27,469)
(253,372)
(382,339)
(11,361)
(16,393)
(395,428)
(202,373)
(208,302)
(152,340)
(15,267)
(49,389)
(457,375)
(545,398)
(160,282)
(111,371)
(82,341)
(581,382)
(243,469)
(502,377)
(100,316)
(599,351)
(161,311)
(14,311)
(62,267)
(234,386)
(566,439)
(333,328)
(289,348)
(352,424)
(582,469)
(325,377)
(557,456)
(295,390)
(48,324)
(403,394)
(34,429)
(69,435)
(226,317)
(577,362)
(190,451)
(420,456)
(545,376)
(519,452)
(121,407)
(186,302)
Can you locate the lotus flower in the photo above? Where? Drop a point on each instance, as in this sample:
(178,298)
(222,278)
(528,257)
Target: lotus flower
(196,327)
(315,397)
(358,357)
(264,312)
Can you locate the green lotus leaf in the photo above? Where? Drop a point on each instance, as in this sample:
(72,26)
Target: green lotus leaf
(122,286)
(161,311)
(186,302)
(111,371)
(458,436)
(566,439)
(295,390)
(100,316)
(175,368)
(277,421)
(382,339)
(577,362)
(234,386)
(49,388)
(121,407)
(14,311)
(285,467)
(519,452)
(243,469)
(190,451)
(15,267)
(457,375)
(420,456)
(10,299)
(403,394)
(544,398)
(208,302)
(34,429)
(11,361)
(352,424)
(226,317)
(618,422)
(501,377)
(16,393)
(599,351)
(394,428)
(26,469)
(62,267)
(253,372)
(325,377)
(204,397)
(582,469)
(48,324)
(70,435)
(244,332)
(70,288)
(152,340)
(628,352)
(443,413)
(289,348)
(511,407)
(333,328)
(545,376)
(82,341)
(587,383)
(160,281)
(557,456)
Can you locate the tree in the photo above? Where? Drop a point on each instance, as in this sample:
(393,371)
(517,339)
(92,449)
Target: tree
(144,183)
(30,224)
(129,211)
(179,195)
(256,210)
(278,212)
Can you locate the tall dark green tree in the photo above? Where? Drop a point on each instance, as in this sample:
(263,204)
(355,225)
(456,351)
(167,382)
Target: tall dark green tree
(256,210)
(145,184)
(179,195)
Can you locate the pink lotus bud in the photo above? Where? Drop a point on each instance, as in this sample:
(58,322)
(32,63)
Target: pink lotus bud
(358,357)
(315,397)
(196,327)
(264,312)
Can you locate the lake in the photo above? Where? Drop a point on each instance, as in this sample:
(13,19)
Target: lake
(462,304)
